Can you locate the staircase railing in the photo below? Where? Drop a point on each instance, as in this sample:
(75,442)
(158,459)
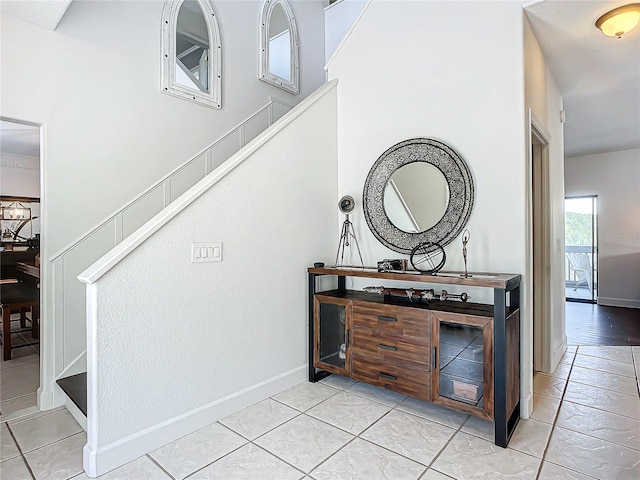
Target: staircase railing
(69,294)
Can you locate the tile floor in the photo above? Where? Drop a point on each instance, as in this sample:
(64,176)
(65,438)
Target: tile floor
(20,376)
(586,424)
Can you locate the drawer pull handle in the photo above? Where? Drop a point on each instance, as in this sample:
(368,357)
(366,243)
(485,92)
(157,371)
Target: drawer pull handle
(386,319)
(387,347)
(386,375)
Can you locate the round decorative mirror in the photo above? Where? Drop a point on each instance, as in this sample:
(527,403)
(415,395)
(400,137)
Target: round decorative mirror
(418,191)
(416,197)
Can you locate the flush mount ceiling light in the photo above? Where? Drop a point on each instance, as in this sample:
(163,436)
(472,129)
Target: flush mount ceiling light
(620,20)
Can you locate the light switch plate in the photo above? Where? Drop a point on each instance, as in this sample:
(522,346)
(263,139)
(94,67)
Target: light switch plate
(206,252)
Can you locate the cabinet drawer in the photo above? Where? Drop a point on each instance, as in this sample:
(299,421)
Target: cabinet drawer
(413,322)
(414,382)
(393,348)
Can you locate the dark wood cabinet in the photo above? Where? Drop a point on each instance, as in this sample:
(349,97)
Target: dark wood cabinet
(463,356)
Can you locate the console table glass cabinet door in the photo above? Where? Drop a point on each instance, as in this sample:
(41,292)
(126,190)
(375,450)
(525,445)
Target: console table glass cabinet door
(331,331)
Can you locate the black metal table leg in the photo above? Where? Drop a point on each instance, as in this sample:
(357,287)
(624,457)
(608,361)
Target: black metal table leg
(312,292)
(500,367)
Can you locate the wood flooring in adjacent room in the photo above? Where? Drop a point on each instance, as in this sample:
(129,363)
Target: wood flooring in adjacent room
(589,324)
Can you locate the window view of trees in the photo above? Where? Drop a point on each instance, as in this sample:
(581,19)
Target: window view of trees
(577,229)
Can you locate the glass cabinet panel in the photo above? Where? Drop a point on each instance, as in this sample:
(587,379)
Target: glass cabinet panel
(332,324)
(463,362)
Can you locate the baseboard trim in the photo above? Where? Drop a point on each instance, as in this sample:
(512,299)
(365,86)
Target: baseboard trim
(618,302)
(100,461)
(526,406)
(557,355)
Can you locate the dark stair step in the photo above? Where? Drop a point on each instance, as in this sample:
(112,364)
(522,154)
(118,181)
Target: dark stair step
(75,387)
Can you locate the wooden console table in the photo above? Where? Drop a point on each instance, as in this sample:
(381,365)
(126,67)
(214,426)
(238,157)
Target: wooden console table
(461,355)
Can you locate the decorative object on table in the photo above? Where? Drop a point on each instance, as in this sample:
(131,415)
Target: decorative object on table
(419,190)
(428,258)
(392,264)
(425,295)
(465,239)
(348,235)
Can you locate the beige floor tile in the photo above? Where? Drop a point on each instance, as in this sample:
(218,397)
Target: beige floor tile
(20,387)
(10,407)
(197,450)
(411,436)
(19,372)
(531,437)
(620,354)
(140,469)
(432,412)
(605,365)
(20,356)
(609,381)
(15,469)
(561,371)
(44,430)
(600,424)
(593,456)
(376,394)
(607,400)
(480,428)
(8,447)
(434,475)
(58,461)
(550,471)
(548,385)
(337,381)
(248,462)
(305,395)
(349,412)
(304,442)
(363,460)
(545,408)
(258,419)
(470,457)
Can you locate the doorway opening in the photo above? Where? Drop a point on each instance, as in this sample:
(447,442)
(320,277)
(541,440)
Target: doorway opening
(541,248)
(581,248)
(21,220)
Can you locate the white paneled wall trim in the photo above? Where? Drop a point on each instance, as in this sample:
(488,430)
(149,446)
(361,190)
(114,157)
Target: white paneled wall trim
(68,293)
(107,262)
(272,110)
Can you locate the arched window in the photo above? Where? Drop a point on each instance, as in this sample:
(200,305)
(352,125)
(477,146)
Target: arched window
(191,52)
(279,64)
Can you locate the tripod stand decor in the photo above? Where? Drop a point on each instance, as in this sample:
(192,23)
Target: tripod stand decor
(348,235)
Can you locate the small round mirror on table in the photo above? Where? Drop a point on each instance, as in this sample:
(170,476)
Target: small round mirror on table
(420,190)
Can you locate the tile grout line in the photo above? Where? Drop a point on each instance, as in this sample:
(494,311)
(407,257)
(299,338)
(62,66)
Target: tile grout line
(24,459)
(153,460)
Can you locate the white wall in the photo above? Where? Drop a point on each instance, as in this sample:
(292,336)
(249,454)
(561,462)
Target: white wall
(19,176)
(338,20)
(204,340)
(615,178)
(417,78)
(543,97)
(109,132)
(95,85)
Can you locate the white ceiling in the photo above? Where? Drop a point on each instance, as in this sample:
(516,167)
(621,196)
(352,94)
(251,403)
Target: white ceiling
(19,139)
(598,76)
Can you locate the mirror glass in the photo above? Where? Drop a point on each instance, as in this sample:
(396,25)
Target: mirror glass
(416,197)
(192,47)
(419,190)
(279,44)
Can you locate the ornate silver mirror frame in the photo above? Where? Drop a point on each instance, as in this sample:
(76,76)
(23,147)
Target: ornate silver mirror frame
(266,74)
(461,193)
(210,96)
